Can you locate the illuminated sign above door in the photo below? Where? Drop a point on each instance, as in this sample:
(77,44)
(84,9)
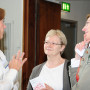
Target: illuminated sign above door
(66,6)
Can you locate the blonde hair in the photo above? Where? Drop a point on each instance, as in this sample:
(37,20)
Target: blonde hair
(2,13)
(59,33)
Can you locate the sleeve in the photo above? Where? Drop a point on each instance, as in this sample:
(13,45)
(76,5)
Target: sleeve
(8,80)
(74,63)
(72,74)
(29,86)
(7,76)
(73,70)
(35,72)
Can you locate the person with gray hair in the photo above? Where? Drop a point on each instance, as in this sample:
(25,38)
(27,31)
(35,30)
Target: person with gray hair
(9,71)
(80,78)
(54,72)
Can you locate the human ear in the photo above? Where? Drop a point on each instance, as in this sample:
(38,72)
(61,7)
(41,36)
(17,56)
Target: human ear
(62,48)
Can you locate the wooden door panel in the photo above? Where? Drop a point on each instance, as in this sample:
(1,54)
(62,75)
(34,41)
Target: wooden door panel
(39,17)
(48,18)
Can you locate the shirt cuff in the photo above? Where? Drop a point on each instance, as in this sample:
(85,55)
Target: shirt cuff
(75,63)
(11,75)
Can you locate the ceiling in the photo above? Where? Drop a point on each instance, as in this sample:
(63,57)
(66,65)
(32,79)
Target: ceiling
(59,1)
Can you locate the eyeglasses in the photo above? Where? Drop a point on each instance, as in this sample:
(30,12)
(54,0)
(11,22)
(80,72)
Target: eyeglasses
(45,42)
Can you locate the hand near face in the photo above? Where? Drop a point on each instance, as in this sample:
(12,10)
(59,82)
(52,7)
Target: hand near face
(47,87)
(17,61)
(80,46)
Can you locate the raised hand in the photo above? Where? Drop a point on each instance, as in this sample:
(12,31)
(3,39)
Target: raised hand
(17,61)
(79,49)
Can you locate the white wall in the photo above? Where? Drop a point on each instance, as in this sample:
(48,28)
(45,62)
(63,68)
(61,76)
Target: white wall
(79,10)
(14,16)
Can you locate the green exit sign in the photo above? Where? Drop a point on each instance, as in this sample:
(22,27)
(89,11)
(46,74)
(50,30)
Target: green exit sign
(66,6)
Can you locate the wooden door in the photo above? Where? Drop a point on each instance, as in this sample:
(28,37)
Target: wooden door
(39,17)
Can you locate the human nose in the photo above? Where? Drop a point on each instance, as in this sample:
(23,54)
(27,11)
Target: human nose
(50,44)
(84,28)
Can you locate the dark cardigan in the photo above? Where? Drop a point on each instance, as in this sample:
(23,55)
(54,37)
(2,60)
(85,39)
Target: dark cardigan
(36,71)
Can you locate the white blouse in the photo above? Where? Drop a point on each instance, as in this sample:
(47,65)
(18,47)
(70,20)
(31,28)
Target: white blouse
(53,76)
(7,76)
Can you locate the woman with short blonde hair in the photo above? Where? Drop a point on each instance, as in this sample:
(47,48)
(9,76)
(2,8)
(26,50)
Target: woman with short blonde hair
(53,72)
